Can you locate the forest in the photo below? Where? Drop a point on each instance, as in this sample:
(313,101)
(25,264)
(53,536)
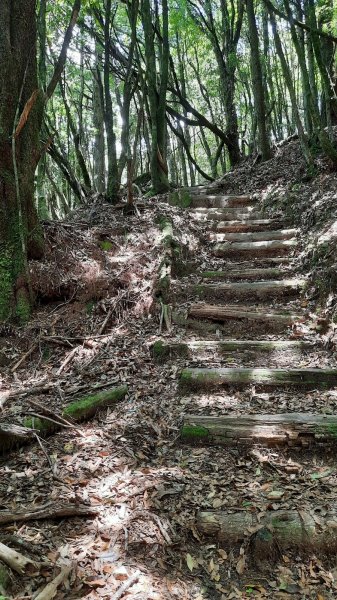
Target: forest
(168,299)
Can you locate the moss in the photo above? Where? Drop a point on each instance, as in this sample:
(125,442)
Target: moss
(89,307)
(180,198)
(194,432)
(4,581)
(161,351)
(106,245)
(39,424)
(23,306)
(89,405)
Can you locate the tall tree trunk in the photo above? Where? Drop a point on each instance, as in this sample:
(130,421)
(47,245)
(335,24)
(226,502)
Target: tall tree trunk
(18,155)
(112,191)
(260,107)
(98,124)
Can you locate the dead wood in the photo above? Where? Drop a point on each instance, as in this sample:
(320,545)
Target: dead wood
(47,511)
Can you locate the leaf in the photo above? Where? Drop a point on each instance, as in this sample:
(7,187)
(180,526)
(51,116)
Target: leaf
(190,562)
(240,566)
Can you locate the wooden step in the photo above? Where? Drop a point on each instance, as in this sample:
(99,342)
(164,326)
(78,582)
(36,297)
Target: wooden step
(273,532)
(220,214)
(254,274)
(250,290)
(293,429)
(162,350)
(248,225)
(220,201)
(272,248)
(257,236)
(195,379)
(216,312)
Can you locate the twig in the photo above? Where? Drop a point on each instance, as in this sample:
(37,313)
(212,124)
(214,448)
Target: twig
(41,416)
(44,452)
(58,418)
(67,360)
(23,358)
(125,586)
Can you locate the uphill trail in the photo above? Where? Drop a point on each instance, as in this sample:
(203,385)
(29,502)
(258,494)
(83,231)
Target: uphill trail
(256,387)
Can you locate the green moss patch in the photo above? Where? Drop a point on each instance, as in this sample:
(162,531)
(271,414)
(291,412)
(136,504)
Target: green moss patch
(106,245)
(180,198)
(194,432)
(88,406)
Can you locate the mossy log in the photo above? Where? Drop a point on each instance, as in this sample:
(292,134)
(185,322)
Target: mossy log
(162,351)
(80,410)
(292,429)
(275,531)
(194,379)
(220,201)
(255,274)
(247,225)
(272,248)
(250,290)
(216,312)
(181,198)
(171,252)
(254,236)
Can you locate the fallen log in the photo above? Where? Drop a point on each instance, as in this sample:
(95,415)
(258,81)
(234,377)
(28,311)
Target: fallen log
(47,511)
(14,435)
(292,429)
(273,531)
(80,410)
(17,561)
(194,379)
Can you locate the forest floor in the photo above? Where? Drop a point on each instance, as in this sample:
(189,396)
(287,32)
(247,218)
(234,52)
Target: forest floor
(93,328)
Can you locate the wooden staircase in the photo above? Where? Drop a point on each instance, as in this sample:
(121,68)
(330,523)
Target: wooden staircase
(245,311)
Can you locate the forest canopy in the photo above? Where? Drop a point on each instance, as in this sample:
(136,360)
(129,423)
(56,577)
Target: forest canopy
(100,97)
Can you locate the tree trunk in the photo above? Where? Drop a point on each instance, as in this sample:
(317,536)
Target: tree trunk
(257,78)
(18,156)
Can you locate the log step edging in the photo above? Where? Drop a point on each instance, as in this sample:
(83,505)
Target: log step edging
(256,274)
(291,429)
(256,289)
(264,248)
(214,312)
(254,236)
(206,378)
(162,350)
(252,225)
(272,531)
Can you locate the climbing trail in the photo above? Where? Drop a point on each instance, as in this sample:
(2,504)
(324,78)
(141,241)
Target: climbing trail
(250,355)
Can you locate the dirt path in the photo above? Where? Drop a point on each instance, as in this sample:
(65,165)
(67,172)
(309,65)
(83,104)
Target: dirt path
(215,477)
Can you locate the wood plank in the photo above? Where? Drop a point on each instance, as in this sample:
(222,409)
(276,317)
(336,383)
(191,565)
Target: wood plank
(292,429)
(203,378)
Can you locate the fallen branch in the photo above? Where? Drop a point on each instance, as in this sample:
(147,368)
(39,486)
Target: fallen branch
(125,586)
(51,589)
(16,561)
(47,511)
